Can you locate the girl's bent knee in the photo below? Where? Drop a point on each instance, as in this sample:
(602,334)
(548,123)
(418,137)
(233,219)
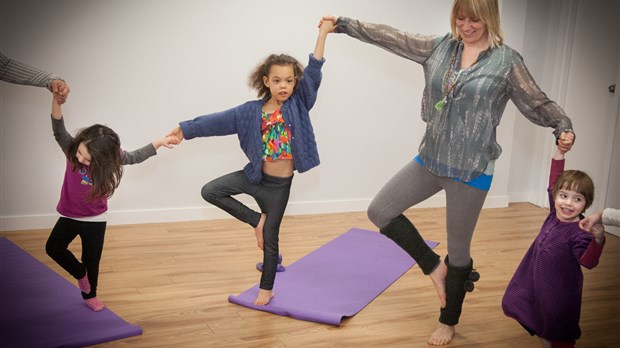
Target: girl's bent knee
(207,194)
(50,249)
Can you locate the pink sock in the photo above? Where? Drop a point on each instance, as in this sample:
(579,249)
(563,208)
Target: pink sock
(95,304)
(83,284)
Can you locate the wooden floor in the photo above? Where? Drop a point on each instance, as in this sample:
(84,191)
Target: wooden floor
(174,280)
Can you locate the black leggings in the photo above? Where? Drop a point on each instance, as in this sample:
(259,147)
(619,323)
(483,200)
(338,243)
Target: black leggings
(272,196)
(92,235)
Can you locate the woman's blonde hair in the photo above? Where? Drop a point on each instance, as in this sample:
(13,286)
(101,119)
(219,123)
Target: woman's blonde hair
(485,10)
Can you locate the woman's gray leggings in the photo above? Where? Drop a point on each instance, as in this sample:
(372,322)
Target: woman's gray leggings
(272,196)
(414,184)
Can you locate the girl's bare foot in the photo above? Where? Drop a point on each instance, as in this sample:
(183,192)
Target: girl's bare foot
(438,276)
(259,231)
(442,335)
(263,297)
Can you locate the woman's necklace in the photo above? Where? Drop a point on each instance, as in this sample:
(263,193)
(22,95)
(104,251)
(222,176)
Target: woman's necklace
(446,86)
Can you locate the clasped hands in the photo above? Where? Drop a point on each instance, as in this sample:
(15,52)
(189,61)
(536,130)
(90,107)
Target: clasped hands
(565,141)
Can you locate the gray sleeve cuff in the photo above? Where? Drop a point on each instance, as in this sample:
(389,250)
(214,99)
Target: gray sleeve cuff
(341,24)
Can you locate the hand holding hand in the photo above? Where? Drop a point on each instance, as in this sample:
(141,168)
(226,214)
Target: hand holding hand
(176,136)
(598,232)
(169,141)
(60,89)
(327,26)
(327,19)
(565,141)
(588,222)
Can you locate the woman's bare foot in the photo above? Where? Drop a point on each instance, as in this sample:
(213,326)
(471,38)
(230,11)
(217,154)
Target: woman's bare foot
(263,297)
(438,276)
(259,231)
(442,335)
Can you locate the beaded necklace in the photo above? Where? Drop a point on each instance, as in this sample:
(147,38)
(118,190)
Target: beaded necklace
(446,87)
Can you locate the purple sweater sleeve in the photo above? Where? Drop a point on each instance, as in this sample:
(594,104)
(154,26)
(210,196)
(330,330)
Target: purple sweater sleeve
(557,167)
(590,257)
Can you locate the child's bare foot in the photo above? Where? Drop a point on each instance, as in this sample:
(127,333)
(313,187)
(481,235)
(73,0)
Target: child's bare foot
(263,297)
(259,231)
(438,276)
(95,304)
(442,335)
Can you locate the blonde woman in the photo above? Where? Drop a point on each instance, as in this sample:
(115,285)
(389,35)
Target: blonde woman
(470,75)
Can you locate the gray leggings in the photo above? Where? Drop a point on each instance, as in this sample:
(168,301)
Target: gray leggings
(414,184)
(272,197)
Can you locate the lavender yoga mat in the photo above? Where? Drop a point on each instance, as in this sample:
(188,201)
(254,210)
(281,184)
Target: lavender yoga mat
(39,308)
(336,280)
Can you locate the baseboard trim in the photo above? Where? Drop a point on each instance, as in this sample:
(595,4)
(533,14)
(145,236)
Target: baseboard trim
(208,212)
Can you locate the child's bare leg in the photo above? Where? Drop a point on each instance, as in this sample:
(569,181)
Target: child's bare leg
(438,277)
(259,232)
(442,335)
(263,297)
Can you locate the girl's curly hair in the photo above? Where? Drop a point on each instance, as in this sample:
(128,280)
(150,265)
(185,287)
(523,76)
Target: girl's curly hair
(256,77)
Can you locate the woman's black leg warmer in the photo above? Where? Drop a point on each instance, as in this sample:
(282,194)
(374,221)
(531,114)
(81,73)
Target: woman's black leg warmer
(403,233)
(458,281)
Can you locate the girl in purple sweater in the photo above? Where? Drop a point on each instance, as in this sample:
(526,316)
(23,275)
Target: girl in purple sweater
(94,169)
(544,295)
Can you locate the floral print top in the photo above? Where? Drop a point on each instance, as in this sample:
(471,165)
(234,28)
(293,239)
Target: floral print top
(276,137)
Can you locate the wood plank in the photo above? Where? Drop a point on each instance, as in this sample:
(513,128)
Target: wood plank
(174,279)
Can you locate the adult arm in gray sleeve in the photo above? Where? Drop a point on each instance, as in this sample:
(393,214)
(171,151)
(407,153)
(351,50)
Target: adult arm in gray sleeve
(611,217)
(19,73)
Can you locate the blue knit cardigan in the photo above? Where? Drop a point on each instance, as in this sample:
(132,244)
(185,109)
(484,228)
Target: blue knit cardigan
(245,121)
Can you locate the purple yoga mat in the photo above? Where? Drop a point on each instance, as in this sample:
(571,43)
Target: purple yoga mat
(39,308)
(336,280)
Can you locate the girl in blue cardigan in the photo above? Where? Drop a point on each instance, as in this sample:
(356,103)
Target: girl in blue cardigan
(276,135)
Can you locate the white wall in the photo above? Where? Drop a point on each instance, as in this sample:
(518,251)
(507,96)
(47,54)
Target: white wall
(141,66)
(539,37)
(559,41)
(594,109)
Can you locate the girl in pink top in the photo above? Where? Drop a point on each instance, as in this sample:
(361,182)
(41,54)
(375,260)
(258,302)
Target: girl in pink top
(94,169)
